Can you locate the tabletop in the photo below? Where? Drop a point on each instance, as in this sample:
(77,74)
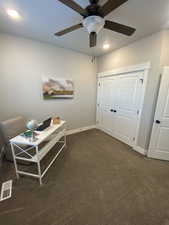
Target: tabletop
(40,135)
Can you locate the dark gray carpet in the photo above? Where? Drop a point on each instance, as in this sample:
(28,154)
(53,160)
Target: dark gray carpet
(97,180)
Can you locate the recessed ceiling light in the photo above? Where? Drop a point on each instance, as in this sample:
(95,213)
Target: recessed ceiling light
(13,14)
(106,46)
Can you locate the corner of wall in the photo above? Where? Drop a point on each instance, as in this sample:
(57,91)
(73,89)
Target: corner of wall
(164,59)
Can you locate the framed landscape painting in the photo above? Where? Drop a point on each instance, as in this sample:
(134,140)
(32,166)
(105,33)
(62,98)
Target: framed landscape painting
(57,88)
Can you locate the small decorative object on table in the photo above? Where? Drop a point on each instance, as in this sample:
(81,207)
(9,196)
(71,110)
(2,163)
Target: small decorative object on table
(27,134)
(32,125)
(56,120)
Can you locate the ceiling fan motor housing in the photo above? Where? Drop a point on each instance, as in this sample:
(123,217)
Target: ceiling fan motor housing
(93,23)
(93,1)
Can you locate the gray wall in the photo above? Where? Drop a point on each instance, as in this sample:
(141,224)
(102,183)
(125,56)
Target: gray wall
(147,49)
(23,62)
(165,49)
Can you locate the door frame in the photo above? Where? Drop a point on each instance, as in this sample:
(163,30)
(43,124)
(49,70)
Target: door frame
(144,67)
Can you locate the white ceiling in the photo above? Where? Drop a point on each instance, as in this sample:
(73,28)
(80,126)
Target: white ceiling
(42,18)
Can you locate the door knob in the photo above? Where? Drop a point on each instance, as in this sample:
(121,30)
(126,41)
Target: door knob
(115,111)
(158,121)
(111,110)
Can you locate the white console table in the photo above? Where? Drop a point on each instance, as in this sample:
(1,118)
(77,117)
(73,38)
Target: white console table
(34,151)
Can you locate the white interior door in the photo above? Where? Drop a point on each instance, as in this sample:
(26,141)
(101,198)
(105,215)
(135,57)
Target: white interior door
(128,99)
(119,105)
(159,144)
(106,104)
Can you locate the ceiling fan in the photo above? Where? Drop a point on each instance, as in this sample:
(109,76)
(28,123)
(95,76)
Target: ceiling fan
(93,19)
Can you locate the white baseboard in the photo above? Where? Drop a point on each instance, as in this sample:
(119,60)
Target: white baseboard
(140,150)
(135,148)
(74,131)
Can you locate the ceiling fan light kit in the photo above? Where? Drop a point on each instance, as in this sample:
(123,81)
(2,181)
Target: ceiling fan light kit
(93,19)
(93,23)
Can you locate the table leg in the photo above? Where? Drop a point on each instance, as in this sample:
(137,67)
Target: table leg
(39,172)
(15,162)
(39,168)
(65,139)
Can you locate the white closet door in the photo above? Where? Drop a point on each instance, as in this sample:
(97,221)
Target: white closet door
(120,98)
(159,144)
(106,104)
(128,94)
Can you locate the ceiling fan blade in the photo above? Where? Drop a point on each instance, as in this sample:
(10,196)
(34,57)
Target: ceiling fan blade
(93,39)
(110,5)
(69,29)
(73,5)
(120,28)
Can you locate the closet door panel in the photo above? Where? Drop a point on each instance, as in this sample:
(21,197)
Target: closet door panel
(128,94)
(124,128)
(106,104)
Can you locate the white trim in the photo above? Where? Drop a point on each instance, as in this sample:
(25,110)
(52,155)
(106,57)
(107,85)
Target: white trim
(135,148)
(140,150)
(145,77)
(74,131)
(114,136)
(128,69)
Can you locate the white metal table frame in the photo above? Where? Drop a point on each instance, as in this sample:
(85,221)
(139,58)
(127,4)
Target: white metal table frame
(49,134)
